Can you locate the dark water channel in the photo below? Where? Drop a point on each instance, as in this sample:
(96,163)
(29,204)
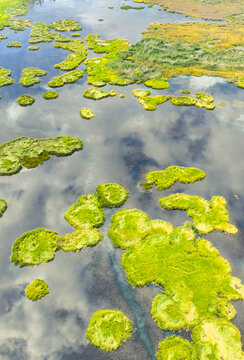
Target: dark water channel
(121,143)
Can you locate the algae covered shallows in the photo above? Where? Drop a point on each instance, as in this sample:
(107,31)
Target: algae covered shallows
(36,290)
(108,329)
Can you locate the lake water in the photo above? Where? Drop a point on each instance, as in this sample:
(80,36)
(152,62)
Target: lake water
(121,143)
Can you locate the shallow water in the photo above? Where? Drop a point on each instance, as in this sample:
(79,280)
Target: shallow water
(121,143)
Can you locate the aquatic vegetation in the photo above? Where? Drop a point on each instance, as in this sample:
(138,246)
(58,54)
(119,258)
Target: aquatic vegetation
(183,100)
(157,83)
(149,102)
(128,7)
(73,60)
(30,76)
(129,227)
(95,94)
(35,247)
(203,101)
(19,25)
(3,206)
(84,237)
(67,78)
(87,211)
(86,113)
(66,25)
(240,83)
(207,215)
(33,47)
(15,44)
(48,95)
(111,195)
(36,290)
(5,78)
(185,92)
(75,34)
(41,32)
(100,19)
(108,329)
(107,46)
(11,8)
(3,37)
(113,93)
(164,179)
(122,96)
(30,152)
(176,348)
(25,100)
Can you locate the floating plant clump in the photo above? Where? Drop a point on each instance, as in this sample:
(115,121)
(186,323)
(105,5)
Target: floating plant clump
(174,347)
(112,195)
(19,25)
(157,83)
(25,100)
(67,78)
(147,101)
(30,152)
(11,8)
(108,329)
(128,7)
(48,95)
(5,78)
(73,60)
(36,290)
(86,113)
(96,94)
(3,206)
(207,216)
(33,47)
(14,44)
(66,25)
(85,237)
(30,76)
(164,179)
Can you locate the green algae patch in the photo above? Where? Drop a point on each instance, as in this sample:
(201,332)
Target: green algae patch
(205,100)
(164,179)
(30,76)
(218,339)
(3,206)
(128,7)
(108,329)
(48,95)
(207,216)
(161,226)
(25,100)
(87,211)
(36,290)
(30,152)
(73,60)
(157,83)
(67,78)
(197,282)
(85,237)
(35,247)
(5,78)
(66,25)
(113,93)
(187,92)
(86,113)
(95,94)
(75,34)
(33,48)
(122,96)
(129,227)
(183,101)
(15,44)
(175,348)
(149,102)
(112,195)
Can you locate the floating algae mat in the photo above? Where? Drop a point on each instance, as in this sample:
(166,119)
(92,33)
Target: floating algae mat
(126,277)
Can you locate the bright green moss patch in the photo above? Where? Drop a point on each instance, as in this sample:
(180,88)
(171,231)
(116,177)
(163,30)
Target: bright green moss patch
(205,100)
(85,237)
(36,290)
(40,32)
(87,211)
(5,78)
(157,83)
(108,329)
(33,48)
(149,102)
(3,37)
(66,25)
(67,78)
(113,93)
(128,7)
(107,46)
(164,179)
(75,34)
(175,348)
(218,339)
(240,83)
(129,227)
(15,44)
(112,195)
(9,8)
(26,100)
(183,100)
(122,96)
(185,92)
(30,76)
(95,94)
(73,60)
(197,282)
(100,19)
(19,25)
(48,95)
(3,206)
(86,113)
(30,152)
(35,247)
(207,215)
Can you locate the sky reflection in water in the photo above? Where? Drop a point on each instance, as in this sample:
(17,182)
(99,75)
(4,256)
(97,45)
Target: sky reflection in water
(121,143)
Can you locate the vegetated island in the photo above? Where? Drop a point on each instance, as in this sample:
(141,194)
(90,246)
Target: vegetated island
(11,8)
(25,100)
(30,76)
(73,60)
(86,113)
(36,290)
(3,206)
(5,78)
(67,78)
(30,152)
(108,329)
